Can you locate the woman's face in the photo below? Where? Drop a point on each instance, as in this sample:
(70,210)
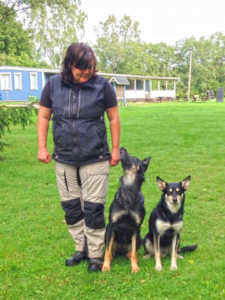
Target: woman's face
(81,76)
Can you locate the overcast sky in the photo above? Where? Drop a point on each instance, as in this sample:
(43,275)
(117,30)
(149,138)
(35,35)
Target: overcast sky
(160,20)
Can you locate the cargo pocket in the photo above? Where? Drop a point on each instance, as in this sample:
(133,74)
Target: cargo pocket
(97,181)
(66,178)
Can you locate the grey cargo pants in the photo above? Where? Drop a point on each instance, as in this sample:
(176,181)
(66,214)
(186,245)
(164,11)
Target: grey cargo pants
(84,204)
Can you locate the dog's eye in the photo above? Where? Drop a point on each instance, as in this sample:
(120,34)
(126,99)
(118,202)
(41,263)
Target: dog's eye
(133,168)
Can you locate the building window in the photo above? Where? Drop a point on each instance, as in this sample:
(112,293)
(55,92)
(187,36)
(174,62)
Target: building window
(18,81)
(139,84)
(147,85)
(154,85)
(5,81)
(33,81)
(131,85)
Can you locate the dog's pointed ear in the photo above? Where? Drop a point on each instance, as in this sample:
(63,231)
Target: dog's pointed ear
(123,152)
(161,183)
(185,183)
(123,149)
(146,162)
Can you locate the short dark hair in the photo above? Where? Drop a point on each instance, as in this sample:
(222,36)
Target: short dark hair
(80,56)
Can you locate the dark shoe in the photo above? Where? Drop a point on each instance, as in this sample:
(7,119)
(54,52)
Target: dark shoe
(94,264)
(76,258)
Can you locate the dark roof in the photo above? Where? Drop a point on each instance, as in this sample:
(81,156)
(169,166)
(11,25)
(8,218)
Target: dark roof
(120,80)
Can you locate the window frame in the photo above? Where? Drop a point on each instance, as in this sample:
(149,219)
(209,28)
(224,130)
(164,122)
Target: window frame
(36,81)
(139,84)
(9,87)
(20,86)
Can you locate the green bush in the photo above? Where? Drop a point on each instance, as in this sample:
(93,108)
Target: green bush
(13,116)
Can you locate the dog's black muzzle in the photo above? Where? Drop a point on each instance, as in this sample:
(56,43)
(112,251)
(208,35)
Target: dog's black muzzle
(175,197)
(125,158)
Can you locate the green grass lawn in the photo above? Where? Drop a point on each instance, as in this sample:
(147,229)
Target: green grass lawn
(183,139)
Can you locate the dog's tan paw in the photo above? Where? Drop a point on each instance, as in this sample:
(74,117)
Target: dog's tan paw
(147,256)
(173,267)
(135,269)
(105,268)
(158,268)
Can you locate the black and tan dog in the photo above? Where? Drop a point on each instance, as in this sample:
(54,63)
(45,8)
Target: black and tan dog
(165,223)
(126,213)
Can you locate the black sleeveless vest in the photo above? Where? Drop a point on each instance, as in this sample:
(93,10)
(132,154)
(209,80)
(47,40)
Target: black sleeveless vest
(79,130)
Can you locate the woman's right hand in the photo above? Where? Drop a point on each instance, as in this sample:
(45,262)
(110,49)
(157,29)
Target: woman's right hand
(44,156)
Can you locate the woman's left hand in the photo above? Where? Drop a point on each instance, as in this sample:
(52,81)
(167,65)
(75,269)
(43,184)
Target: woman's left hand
(114,120)
(115,158)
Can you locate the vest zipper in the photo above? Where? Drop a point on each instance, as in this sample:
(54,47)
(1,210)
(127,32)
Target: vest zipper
(101,150)
(70,102)
(78,110)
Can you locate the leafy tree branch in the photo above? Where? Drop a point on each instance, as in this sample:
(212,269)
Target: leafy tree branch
(13,116)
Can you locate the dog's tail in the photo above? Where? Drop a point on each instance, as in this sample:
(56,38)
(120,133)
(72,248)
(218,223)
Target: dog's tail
(187,249)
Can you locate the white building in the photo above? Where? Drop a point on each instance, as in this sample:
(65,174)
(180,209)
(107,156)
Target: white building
(21,83)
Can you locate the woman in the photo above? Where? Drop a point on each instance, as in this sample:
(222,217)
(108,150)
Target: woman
(77,99)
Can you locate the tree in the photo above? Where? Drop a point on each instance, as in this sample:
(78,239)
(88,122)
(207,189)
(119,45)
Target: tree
(12,7)
(56,27)
(16,44)
(160,59)
(122,31)
(218,58)
(120,50)
(13,116)
(54,24)
(14,39)
(208,64)
(113,40)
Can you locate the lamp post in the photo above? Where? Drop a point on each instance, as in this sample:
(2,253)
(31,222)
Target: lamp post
(189,75)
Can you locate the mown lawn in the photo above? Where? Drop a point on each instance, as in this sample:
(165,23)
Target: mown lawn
(183,139)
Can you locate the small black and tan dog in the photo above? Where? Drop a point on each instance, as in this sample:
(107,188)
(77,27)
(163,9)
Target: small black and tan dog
(126,213)
(165,223)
